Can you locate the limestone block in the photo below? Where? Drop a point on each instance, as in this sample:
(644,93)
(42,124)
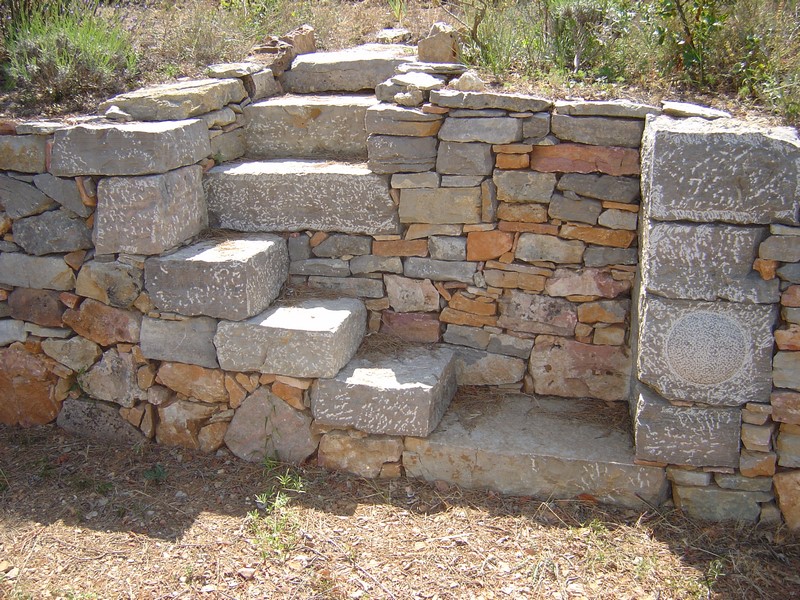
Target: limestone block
(188,341)
(448,248)
(76,353)
(411,295)
(176,101)
(38,272)
(476,367)
(481,100)
(389,119)
(606,108)
(63,191)
(231,279)
(524,186)
(441,45)
(21,199)
(718,353)
(12,331)
(359,287)
(103,324)
(598,131)
(287,195)
(601,187)
(440,205)
(363,456)
(412,327)
(261,84)
(714,504)
(457,158)
(582,158)
(42,307)
(600,257)
(180,423)
(361,265)
(229,146)
(428,179)
(403,394)
(787,490)
(266,426)
(115,283)
(23,153)
(534,247)
(425,82)
(723,170)
(685,435)
(462,180)
(533,313)
(585,282)
(113,379)
(314,338)
(497,130)
(786,370)
(148,215)
(128,148)
(337,245)
(98,420)
(397,154)
(192,381)
(440,270)
(51,232)
(27,388)
(328,267)
(675,259)
(564,367)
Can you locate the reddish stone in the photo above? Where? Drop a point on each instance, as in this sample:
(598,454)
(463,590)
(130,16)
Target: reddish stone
(513,161)
(791,297)
(478,306)
(457,317)
(788,339)
(585,282)
(757,464)
(291,395)
(414,327)
(485,245)
(42,307)
(787,490)
(400,248)
(27,388)
(522,213)
(616,238)
(206,385)
(768,269)
(786,407)
(514,279)
(69,299)
(103,324)
(578,158)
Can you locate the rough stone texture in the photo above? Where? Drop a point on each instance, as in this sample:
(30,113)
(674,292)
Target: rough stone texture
(601,257)
(176,101)
(440,205)
(413,327)
(786,407)
(189,341)
(76,353)
(533,313)
(98,420)
(357,287)
(788,448)
(42,307)
(376,264)
(604,311)
(448,248)
(114,283)
(598,131)
(714,504)
(440,270)
(339,245)
(428,179)
(491,130)
(680,476)
(23,153)
(103,324)
(457,158)
(472,337)
(265,426)
(329,267)
(619,219)
(51,232)
(351,70)
(314,338)
(228,146)
(21,199)
(501,343)
(411,295)
(585,282)
(524,186)
(675,261)
(480,100)
(739,482)
(231,279)
(785,248)
(716,353)
(787,491)
(685,435)
(37,272)
(757,464)
(12,331)
(564,367)
(63,191)
(26,388)
(441,45)
(180,423)
(389,119)
(533,247)
(723,170)
(397,154)
(128,148)
(580,210)
(476,367)
(113,379)
(288,195)
(206,385)
(535,447)
(606,108)
(786,370)
(403,394)
(298,126)
(686,109)
(483,245)
(363,456)
(601,187)
(578,158)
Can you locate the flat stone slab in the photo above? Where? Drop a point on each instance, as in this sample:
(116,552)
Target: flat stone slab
(403,394)
(190,341)
(98,420)
(351,70)
(233,279)
(537,446)
(313,338)
(308,126)
(299,195)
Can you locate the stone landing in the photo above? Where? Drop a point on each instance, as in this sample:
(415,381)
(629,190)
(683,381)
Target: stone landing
(538,446)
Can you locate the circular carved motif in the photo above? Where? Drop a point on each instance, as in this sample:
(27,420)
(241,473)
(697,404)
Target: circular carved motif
(706,348)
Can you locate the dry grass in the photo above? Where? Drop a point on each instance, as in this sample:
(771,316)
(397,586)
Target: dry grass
(82,520)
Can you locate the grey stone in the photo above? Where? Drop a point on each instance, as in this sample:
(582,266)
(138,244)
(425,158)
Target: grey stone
(287,195)
(536,126)
(235,278)
(23,153)
(680,476)
(114,283)
(98,420)
(440,206)
(462,180)
(396,154)
(468,82)
(535,247)
(447,247)
(411,295)
(456,158)
(148,215)
(76,353)
(718,353)
(598,131)
(685,435)
(351,70)
(778,229)
(428,179)
(308,126)
(340,245)
(5,310)
(37,272)
(685,109)
(261,84)
(176,101)
(403,394)
(524,186)
(328,267)
(472,337)
(20,199)
(63,191)
(393,35)
(533,313)
(440,270)
(231,70)
(189,341)
(229,146)
(113,379)
(51,232)
(477,367)
(714,504)
(499,130)
(747,484)
(790,315)
(219,118)
(12,331)
(432,68)
(41,128)
(479,100)
(596,256)
(128,148)
(44,332)
(361,265)
(314,338)
(790,273)
(386,91)
(786,370)
(421,81)
(723,170)
(466,113)
(363,456)
(606,108)
(785,248)
(388,119)
(788,448)
(441,45)
(180,422)
(510,345)
(676,259)
(348,286)
(575,209)
(299,247)
(539,447)
(619,219)
(601,187)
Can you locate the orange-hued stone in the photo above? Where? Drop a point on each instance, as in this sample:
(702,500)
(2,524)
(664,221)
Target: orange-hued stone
(580,158)
(27,388)
(513,161)
(768,269)
(318,238)
(400,248)
(791,297)
(485,245)
(291,395)
(616,238)
(608,204)
(206,385)
(788,339)
(457,317)
(103,324)
(522,213)
(480,305)
(513,279)
(414,327)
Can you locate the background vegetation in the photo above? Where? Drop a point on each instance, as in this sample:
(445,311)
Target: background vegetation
(65,54)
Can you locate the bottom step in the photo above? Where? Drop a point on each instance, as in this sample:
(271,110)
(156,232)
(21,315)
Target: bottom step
(542,447)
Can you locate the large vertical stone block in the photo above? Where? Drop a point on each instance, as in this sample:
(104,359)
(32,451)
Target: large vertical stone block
(148,215)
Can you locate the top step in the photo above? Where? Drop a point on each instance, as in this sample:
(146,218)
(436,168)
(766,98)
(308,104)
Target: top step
(351,70)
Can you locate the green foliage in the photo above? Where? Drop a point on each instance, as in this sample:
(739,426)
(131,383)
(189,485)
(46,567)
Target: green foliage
(274,524)
(398,8)
(157,474)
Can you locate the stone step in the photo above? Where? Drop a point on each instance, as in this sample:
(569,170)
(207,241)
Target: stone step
(402,393)
(298,195)
(538,446)
(310,338)
(351,70)
(233,277)
(308,126)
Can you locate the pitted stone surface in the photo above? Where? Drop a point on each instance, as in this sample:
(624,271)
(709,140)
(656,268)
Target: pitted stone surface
(129,148)
(535,313)
(403,394)
(51,232)
(401,154)
(314,338)
(21,199)
(231,279)
(306,126)
(440,205)
(23,153)
(37,272)
(716,353)
(723,170)
(189,341)
(598,131)
(476,367)
(148,215)
(89,418)
(481,100)
(113,379)
(539,447)
(294,195)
